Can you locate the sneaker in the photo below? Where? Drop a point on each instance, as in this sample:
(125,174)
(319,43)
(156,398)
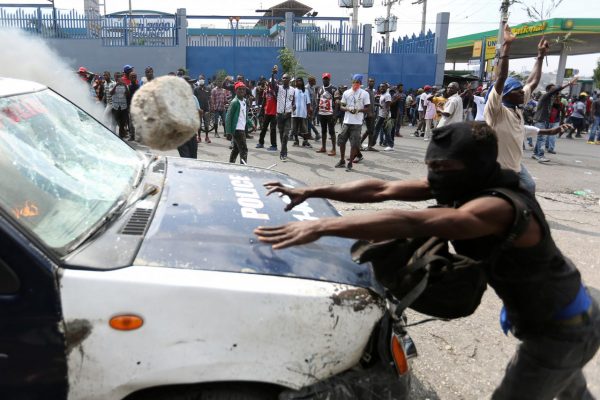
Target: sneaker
(591,142)
(551,151)
(349,167)
(426,139)
(296,144)
(317,138)
(388,149)
(540,159)
(578,136)
(306,144)
(272,148)
(260,146)
(416,133)
(283,157)
(372,149)
(358,159)
(597,142)
(364,147)
(217,135)
(340,164)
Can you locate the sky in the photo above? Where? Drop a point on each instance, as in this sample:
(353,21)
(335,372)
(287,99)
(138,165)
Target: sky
(466,16)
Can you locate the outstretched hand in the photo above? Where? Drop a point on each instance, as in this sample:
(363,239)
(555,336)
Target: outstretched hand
(574,80)
(543,47)
(291,234)
(297,196)
(508,36)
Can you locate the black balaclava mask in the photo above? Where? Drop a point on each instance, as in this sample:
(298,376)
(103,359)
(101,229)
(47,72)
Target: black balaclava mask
(476,145)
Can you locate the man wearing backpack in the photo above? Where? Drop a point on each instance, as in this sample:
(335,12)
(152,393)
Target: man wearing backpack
(488,217)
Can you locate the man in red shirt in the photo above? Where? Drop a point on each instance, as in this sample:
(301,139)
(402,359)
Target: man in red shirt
(269,105)
(127,69)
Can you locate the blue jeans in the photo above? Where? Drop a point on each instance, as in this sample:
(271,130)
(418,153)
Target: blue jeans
(527,180)
(547,141)
(595,130)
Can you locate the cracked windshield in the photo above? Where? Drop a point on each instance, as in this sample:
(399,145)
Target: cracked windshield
(66,171)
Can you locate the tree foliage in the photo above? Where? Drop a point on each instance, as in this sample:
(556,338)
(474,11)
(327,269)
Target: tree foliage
(220,77)
(539,10)
(597,74)
(290,64)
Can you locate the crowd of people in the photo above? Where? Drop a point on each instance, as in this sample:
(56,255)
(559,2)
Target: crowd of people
(291,109)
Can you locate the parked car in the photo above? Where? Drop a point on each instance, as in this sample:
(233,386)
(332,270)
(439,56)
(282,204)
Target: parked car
(130,275)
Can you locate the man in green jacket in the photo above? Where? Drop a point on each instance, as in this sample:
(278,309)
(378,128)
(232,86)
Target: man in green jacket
(236,123)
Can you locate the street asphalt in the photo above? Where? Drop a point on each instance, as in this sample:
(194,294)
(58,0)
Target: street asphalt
(465,358)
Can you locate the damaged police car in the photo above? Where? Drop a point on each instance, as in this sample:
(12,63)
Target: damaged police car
(126,275)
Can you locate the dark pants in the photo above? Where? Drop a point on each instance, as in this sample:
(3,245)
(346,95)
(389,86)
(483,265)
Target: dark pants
(189,149)
(239,147)
(421,126)
(218,114)
(327,125)
(371,132)
(205,122)
(548,365)
(120,117)
(299,129)
(399,121)
(269,120)
(284,124)
(379,131)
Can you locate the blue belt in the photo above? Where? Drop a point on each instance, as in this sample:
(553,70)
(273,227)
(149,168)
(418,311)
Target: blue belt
(579,305)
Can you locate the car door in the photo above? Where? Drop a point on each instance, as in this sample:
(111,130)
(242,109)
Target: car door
(32,347)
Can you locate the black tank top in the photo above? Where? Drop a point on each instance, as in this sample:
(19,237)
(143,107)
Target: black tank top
(534,283)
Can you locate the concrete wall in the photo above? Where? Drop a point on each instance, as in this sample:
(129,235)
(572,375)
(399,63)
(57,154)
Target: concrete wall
(251,62)
(341,66)
(412,70)
(97,58)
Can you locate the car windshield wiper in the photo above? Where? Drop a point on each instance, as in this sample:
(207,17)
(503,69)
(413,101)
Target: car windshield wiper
(110,216)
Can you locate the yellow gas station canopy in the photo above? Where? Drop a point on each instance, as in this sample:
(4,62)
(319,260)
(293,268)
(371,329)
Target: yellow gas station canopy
(579,35)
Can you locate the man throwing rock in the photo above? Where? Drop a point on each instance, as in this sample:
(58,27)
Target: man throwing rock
(546,305)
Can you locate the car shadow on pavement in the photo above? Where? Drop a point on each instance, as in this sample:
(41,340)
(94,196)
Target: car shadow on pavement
(421,390)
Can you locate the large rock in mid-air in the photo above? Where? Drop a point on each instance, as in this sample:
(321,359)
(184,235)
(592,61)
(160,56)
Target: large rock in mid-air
(164,113)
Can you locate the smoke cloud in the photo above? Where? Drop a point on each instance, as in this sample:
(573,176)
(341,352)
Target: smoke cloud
(28,57)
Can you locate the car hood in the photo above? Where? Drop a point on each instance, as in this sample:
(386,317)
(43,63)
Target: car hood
(205,220)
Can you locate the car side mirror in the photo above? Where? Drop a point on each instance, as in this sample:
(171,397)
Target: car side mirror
(9,281)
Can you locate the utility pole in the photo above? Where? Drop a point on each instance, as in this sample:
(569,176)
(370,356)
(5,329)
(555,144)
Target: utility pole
(424,16)
(355,5)
(503,20)
(388,4)
(504,6)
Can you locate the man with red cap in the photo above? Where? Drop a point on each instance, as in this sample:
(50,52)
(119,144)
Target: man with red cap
(236,123)
(325,96)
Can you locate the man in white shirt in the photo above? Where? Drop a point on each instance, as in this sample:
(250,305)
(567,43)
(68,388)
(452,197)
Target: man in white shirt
(285,100)
(453,109)
(421,101)
(355,104)
(479,101)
